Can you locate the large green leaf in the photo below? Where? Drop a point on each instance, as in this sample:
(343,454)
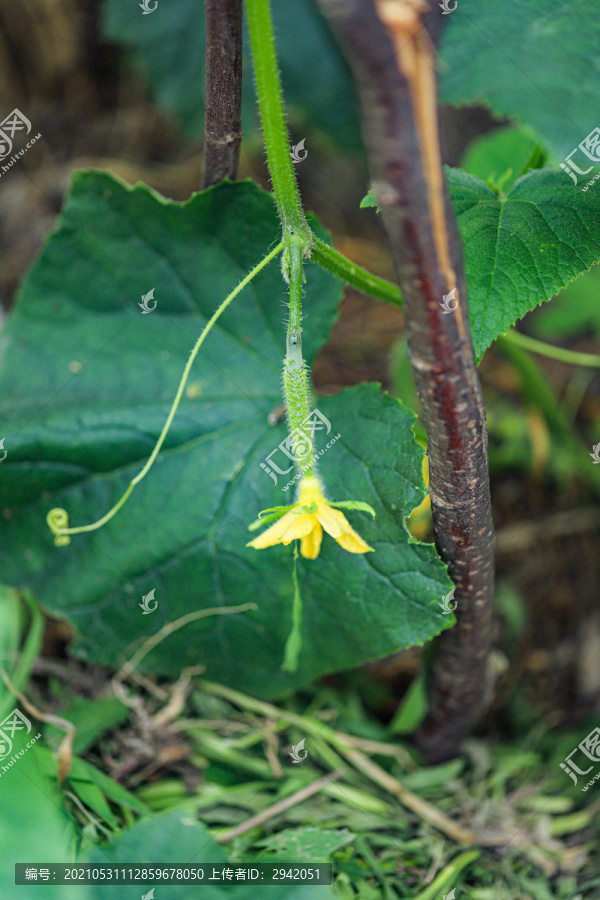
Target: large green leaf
(537,61)
(88,380)
(169,46)
(174,837)
(523,247)
(177,837)
(33,827)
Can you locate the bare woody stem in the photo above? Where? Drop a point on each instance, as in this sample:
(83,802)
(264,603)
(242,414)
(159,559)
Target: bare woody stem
(223,126)
(392,55)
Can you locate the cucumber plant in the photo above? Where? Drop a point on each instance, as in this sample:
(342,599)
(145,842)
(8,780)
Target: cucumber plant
(143,437)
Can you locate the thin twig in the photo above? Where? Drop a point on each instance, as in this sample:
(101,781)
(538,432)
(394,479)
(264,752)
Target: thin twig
(176,704)
(271,745)
(382,749)
(168,629)
(281,806)
(416,804)
(149,686)
(337,739)
(223,122)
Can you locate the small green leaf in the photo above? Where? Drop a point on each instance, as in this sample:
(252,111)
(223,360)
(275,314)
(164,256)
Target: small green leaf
(91,795)
(511,149)
(260,523)
(522,248)
(353,504)
(269,515)
(83,771)
(275,509)
(308,844)
(413,708)
(369,200)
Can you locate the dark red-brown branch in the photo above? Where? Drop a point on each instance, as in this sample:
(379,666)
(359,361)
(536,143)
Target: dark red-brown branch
(390,48)
(223,126)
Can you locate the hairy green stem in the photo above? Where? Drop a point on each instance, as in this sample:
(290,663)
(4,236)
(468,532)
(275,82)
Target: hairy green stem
(351,273)
(275,133)
(281,169)
(296,281)
(296,387)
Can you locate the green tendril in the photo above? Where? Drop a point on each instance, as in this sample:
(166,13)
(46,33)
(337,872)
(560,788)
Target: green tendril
(58,519)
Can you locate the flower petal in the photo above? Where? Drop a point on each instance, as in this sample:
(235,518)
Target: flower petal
(353,543)
(308,526)
(311,542)
(302,525)
(275,533)
(333,521)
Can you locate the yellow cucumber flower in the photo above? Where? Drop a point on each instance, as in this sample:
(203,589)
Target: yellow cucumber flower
(306,520)
(420,522)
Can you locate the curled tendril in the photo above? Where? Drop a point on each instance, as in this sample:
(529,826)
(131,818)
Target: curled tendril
(58,521)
